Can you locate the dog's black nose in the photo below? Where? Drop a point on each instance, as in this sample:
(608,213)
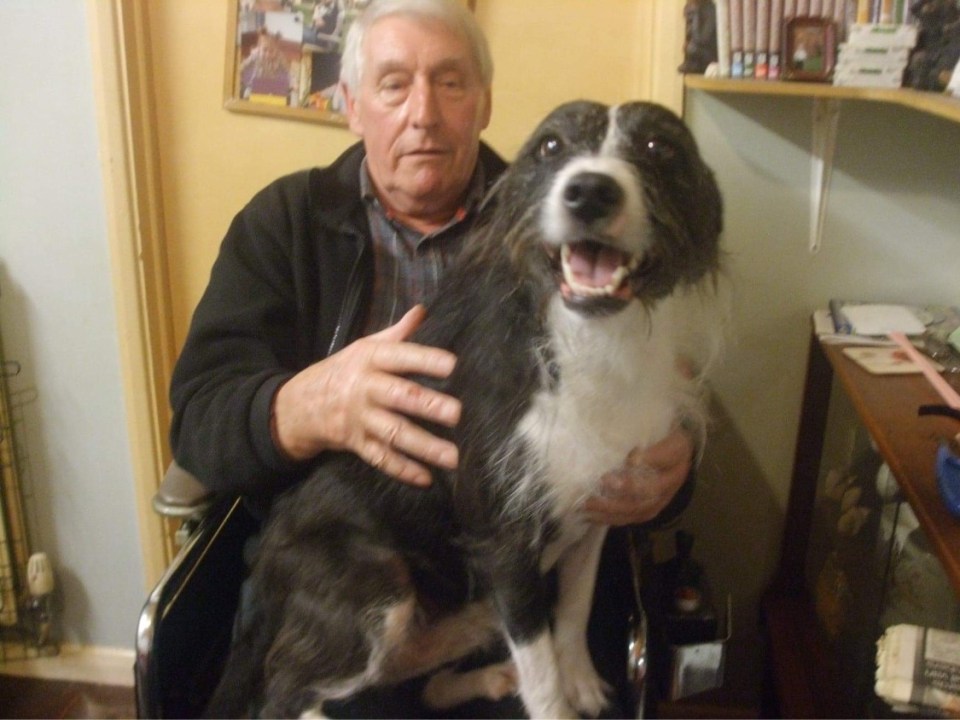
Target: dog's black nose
(590,195)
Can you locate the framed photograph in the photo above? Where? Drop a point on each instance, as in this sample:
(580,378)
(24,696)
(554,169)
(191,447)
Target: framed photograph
(809,49)
(283,57)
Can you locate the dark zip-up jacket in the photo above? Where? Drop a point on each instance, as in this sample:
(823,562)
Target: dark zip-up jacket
(288,288)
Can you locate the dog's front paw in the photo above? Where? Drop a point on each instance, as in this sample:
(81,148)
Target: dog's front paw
(499,680)
(582,686)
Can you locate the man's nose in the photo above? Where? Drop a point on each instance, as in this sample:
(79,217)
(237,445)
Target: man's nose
(424,107)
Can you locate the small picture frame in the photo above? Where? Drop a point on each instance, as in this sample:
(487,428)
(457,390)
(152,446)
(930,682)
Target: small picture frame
(809,49)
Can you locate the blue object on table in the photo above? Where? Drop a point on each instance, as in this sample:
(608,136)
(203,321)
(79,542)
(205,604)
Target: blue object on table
(948,478)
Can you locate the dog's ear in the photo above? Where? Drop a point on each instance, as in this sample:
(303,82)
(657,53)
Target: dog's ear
(704,225)
(711,203)
(504,205)
(490,199)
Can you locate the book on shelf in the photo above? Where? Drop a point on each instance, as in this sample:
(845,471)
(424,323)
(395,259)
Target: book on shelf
(774,39)
(723,38)
(735,32)
(884,12)
(750,37)
(761,65)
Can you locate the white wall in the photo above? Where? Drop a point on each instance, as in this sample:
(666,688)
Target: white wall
(58,320)
(892,233)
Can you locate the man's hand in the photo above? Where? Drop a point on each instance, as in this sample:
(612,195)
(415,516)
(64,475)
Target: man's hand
(356,400)
(645,485)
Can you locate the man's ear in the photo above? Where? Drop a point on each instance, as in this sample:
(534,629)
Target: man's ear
(488,110)
(353,115)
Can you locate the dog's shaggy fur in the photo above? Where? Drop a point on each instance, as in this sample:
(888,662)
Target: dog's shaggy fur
(568,314)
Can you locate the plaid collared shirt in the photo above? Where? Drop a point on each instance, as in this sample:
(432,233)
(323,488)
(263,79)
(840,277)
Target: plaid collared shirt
(408,265)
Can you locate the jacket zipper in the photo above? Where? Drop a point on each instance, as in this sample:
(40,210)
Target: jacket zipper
(348,309)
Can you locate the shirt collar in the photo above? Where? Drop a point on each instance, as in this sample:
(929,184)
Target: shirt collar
(471,200)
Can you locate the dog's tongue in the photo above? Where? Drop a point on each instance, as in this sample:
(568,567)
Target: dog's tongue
(593,265)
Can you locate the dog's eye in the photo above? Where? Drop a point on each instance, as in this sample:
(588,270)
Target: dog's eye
(550,146)
(660,150)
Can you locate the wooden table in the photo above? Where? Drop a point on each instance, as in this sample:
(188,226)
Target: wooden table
(802,670)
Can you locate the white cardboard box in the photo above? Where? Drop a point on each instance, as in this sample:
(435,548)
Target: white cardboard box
(874,35)
(868,77)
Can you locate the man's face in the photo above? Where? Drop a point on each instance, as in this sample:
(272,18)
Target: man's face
(420,108)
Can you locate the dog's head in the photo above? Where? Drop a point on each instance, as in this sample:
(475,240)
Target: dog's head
(620,201)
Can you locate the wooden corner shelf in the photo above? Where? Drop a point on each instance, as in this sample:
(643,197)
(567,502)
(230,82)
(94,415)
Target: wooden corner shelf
(931,103)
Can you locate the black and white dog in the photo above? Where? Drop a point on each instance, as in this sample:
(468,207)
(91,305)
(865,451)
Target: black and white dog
(568,313)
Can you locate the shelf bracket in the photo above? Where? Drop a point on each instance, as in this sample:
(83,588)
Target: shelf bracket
(826,118)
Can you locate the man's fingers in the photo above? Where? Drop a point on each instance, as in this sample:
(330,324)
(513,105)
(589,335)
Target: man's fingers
(394,442)
(409,358)
(676,449)
(395,464)
(403,328)
(389,350)
(608,511)
(411,398)
(397,434)
(362,399)
(628,495)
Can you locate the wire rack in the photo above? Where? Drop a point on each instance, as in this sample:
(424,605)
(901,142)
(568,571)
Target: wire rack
(17,634)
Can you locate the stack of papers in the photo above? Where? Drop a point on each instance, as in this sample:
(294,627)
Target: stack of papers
(876,319)
(867,323)
(918,669)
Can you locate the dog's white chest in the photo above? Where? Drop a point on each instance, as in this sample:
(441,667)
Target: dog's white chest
(618,390)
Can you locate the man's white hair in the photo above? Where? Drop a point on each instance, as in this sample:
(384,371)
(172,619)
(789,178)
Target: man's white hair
(450,13)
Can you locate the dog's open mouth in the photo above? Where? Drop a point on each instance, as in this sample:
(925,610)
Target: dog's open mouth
(595,275)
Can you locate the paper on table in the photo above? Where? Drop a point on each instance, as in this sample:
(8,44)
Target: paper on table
(885,360)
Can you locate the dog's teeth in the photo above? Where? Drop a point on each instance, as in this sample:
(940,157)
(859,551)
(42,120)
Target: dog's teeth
(616,279)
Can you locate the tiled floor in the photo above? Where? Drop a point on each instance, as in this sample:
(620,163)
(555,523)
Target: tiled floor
(32,698)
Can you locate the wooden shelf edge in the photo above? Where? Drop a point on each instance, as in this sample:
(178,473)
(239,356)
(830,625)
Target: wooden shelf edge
(931,103)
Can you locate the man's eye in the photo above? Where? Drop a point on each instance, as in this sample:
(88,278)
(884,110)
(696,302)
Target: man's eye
(451,84)
(392,91)
(550,146)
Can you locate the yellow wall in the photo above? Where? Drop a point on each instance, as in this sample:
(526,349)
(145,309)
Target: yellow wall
(550,51)
(213,160)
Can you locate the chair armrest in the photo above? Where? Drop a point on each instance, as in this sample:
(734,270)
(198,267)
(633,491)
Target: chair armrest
(185,627)
(181,495)
(638,650)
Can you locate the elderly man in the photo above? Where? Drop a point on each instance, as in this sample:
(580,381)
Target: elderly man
(299,345)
